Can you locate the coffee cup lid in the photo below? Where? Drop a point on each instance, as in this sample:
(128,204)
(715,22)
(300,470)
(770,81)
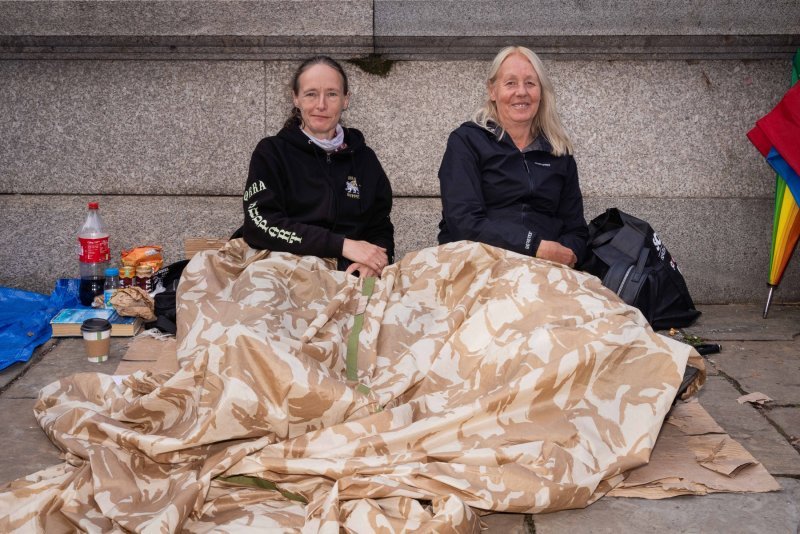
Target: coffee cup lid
(95,324)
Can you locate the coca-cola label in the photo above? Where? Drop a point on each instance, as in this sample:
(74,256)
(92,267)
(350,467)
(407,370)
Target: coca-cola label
(94,250)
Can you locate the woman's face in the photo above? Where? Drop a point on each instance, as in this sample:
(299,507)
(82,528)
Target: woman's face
(321,100)
(516,92)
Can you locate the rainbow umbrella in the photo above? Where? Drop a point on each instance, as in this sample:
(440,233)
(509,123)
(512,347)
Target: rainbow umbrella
(779,128)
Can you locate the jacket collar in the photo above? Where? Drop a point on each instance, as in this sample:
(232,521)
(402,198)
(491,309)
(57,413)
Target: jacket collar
(539,144)
(353,140)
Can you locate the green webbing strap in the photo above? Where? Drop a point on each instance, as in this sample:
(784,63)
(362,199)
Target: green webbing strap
(255,482)
(352,341)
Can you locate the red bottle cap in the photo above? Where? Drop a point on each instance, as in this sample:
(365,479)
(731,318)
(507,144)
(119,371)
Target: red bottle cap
(93,205)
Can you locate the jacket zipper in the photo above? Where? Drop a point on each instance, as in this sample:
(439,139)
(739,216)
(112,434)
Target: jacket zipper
(528,171)
(332,183)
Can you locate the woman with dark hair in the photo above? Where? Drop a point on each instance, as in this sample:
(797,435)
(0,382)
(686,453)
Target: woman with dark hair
(316,188)
(508,177)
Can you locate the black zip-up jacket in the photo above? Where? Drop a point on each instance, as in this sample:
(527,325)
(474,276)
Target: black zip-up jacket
(495,193)
(302,200)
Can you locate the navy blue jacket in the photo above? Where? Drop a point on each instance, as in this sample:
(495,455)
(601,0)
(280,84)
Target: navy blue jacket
(496,194)
(300,199)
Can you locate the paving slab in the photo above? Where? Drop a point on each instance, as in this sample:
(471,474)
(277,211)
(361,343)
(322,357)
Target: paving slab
(717,512)
(507,523)
(10,373)
(769,367)
(26,448)
(745,322)
(66,358)
(788,419)
(711,364)
(749,427)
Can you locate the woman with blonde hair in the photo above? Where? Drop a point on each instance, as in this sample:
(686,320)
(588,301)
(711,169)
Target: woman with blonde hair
(508,177)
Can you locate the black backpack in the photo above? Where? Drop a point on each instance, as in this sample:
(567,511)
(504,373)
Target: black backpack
(630,259)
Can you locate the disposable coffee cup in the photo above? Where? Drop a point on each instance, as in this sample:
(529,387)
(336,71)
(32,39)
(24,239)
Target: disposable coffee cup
(96,339)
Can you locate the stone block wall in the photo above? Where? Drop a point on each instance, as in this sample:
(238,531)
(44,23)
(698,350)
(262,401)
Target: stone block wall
(153,108)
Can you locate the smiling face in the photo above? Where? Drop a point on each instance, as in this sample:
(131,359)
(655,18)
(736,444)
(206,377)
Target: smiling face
(320,99)
(516,92)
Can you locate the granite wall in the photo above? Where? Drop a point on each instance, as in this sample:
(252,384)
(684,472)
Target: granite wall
(154,107)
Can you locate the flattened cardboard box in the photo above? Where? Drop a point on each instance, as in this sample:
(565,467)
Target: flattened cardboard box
(147,353)
(694,456)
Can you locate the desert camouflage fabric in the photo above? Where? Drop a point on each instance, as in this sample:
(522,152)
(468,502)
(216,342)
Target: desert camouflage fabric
(471,379)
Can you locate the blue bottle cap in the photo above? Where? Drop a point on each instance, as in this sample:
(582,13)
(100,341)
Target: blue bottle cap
(112,271)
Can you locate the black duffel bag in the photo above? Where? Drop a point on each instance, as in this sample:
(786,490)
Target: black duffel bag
(630,259)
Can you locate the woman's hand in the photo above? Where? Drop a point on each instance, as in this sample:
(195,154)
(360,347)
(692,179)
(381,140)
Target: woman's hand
(553,251)
(366,254)
(363,270)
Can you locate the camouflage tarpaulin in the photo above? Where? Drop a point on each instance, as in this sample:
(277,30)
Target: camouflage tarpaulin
(479,380)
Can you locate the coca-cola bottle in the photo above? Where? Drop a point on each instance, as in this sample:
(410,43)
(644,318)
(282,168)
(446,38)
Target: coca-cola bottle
(93,256)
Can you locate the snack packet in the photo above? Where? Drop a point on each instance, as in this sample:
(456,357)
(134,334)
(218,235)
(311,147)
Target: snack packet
(146,255)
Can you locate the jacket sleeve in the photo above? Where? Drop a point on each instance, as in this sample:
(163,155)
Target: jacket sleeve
(266,223)
(574,233)
(380,230)
(464,207)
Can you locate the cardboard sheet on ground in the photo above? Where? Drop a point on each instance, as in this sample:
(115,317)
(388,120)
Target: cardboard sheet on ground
(147,353)
(468,379)
(694,456)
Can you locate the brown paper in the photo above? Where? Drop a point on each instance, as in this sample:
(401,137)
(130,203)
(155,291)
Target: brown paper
(193,245)
(147,353)
(693,420)
(694,456)
(754,398)
(727,456)
(134,302)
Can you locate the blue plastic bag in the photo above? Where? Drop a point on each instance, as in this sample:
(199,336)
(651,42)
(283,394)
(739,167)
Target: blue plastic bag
(25,318)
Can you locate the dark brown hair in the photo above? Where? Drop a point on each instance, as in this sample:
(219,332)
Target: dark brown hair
(294,117)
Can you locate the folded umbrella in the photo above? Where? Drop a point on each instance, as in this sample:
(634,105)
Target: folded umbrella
(777,137)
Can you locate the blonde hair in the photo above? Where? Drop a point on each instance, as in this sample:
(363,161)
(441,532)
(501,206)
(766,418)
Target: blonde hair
(546,122)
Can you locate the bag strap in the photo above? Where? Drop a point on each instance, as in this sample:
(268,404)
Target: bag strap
(636,280)
(615,275)
(637,272)
(603,238)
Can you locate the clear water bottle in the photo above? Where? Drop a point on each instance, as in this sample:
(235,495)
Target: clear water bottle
(93,255)
(110,286)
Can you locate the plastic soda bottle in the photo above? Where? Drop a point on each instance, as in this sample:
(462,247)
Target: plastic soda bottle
(93,255)
(111,285)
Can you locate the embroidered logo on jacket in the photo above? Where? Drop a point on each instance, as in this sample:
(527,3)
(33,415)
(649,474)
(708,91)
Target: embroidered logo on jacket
(255,187)
(351,187)
(272,231)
